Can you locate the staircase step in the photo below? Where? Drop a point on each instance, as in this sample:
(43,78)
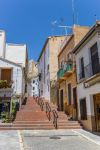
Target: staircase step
(30,117)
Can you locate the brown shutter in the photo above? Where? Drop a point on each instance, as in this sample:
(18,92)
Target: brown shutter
(6,75)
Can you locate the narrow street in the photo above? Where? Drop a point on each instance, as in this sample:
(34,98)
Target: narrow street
(50,75)
(57,140)
(48,139)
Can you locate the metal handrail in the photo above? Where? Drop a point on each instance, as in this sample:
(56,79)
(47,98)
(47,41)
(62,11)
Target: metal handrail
(48,110)
(55,117)
(40,102)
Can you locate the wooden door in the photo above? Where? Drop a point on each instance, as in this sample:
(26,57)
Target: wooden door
(6,75)
(75,101)
(97,110)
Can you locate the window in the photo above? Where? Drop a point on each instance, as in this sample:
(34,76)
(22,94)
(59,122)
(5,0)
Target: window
(47,68)
(69,93)
(82,73)
(33,81)
(83,110)
(95,60)
(33,88)
(40,76)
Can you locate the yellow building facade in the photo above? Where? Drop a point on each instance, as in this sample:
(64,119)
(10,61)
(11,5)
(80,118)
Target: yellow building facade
(67,73)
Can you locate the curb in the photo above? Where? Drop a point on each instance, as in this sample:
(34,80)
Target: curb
(98,143)
(20,140)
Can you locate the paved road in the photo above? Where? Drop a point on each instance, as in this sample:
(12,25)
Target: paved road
(56,140)
(9,140)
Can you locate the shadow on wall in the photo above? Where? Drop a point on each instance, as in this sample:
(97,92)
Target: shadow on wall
(54,92)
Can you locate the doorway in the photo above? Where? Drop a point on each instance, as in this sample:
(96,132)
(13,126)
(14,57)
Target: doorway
(61,100)
(97,111)
(75,102)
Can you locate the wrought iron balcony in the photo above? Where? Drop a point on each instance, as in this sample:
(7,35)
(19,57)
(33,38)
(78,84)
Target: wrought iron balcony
(90,70)
(65,71)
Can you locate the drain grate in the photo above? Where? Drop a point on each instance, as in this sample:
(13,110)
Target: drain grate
(55,137)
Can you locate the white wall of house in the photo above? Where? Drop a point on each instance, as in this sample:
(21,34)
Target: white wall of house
(44,84)
(16,53)
(94,89)
(2,43)
(33,87)
(17,76)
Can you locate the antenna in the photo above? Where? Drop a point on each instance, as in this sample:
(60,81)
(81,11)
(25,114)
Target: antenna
(77,18)
(73,9)
(65,28)
(53,26)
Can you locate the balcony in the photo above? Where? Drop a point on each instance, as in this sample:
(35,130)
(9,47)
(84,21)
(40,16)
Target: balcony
(65,71)
(5,90)
(91,73)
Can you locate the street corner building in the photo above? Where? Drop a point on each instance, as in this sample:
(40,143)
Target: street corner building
(87,54)
(13,72)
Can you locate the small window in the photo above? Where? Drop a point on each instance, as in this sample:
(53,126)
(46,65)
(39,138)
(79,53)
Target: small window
(48,68)
(33,88)
(33,81)
(82,72)
(83,110)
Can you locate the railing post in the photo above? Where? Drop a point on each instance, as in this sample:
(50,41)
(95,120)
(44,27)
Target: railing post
(55,117)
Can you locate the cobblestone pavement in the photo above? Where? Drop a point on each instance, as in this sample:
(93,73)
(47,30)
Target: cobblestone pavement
(9,140)
(56,140)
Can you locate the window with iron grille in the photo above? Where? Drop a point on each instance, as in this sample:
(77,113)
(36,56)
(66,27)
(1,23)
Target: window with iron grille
(82,74)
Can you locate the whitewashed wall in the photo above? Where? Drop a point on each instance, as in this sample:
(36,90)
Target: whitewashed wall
(43,84)
(30,86)
(2,43)
(82,91)
(16,53)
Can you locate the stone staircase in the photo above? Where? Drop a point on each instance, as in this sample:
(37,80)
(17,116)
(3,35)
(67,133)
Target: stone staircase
(31,117)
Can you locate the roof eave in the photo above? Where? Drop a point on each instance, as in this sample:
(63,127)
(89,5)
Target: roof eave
(90,32)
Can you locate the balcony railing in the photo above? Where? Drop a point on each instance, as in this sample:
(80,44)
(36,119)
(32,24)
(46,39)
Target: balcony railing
(68,67)
(90,70)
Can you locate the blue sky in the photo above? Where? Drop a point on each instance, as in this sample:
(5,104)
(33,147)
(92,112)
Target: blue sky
(30,21)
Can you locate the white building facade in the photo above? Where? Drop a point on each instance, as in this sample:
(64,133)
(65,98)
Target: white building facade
(88,78)
(33,87)
(13,66)
(48,67)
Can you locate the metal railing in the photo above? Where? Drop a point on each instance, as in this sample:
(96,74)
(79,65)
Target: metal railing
(41,103)
(55,117)
(51,114)
(91,69)
(67,67)
(48,110)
